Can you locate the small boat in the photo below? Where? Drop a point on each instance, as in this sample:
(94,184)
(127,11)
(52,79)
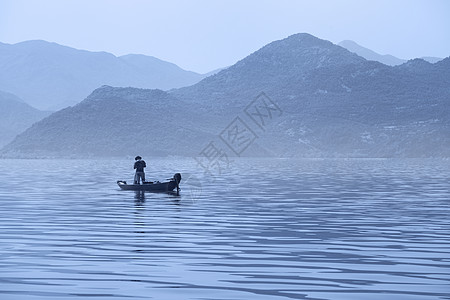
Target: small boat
(153,186)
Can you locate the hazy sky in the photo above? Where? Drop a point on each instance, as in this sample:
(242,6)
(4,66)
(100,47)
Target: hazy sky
(202,35)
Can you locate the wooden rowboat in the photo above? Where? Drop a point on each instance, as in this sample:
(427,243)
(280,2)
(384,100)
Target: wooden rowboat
(155,186)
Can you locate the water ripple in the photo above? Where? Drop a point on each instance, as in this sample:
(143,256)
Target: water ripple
(266,229)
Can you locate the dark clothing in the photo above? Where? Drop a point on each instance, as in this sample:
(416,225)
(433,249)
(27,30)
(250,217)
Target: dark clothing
(139,166)
(140,175)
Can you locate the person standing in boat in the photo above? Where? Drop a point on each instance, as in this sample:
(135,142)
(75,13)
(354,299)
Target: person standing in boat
(139,165)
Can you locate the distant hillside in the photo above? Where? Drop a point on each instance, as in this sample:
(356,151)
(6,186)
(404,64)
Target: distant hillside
(368,54)
(113,122)
(50,76)
(15,117)
(332,103)
(431,59)
(386,59)
(279,67)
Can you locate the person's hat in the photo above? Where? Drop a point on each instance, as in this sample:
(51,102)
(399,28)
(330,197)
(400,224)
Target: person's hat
(137,158)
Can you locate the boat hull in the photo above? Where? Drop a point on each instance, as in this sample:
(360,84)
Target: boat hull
(160,187)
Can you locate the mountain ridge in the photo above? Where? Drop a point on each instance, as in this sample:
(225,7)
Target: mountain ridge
(51,76)
(332,103)
(16,116)
(386,59)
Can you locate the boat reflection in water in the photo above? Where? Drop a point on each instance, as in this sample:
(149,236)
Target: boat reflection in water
(139,197)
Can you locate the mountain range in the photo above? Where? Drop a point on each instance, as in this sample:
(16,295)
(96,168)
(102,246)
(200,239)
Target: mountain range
(16,116)
(50,76)
(296,97)
(386,59)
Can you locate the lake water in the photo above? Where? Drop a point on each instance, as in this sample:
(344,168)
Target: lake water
(263,229)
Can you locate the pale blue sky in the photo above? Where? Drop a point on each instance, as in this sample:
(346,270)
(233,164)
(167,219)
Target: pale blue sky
(202,35)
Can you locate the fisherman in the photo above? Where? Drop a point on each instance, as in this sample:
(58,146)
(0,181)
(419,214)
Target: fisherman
(139,165)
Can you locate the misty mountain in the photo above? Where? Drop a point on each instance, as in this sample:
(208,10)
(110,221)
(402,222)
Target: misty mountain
(279,67)
(111,122)
(16,116)
(386,59)
(329,102)
(431,59)
(50,76)
(368,54)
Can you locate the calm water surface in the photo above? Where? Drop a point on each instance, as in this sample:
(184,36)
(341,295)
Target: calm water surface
(265,229)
